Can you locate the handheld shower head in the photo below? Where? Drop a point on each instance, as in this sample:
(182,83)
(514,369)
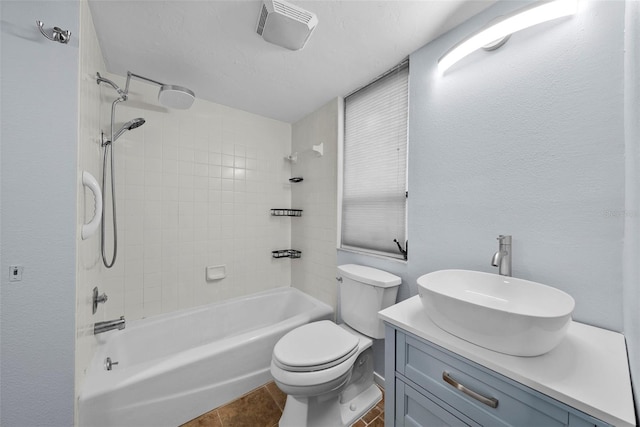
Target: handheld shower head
(130,125)
(135,123)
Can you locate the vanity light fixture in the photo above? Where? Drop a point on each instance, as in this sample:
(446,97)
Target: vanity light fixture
(495,33)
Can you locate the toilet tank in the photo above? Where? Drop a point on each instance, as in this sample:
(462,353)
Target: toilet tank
(365,291)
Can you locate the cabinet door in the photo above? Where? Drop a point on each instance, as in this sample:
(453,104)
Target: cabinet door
(416,410)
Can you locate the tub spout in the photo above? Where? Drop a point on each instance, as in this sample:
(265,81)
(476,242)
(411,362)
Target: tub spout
(109,325)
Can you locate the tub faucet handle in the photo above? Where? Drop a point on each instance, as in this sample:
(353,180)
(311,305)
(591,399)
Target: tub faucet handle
(108,364)
(97,299)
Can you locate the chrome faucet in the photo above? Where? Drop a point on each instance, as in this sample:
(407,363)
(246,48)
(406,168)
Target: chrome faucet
(502,258)
(109,325)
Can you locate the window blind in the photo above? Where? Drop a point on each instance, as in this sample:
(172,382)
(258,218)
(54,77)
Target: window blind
(375,165)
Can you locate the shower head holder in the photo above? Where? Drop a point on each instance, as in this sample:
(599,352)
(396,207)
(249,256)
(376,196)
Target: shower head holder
(123,93)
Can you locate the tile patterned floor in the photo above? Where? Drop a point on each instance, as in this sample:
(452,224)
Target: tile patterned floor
(263,407)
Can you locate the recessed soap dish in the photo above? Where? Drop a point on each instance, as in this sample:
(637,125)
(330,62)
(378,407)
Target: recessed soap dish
(216,272)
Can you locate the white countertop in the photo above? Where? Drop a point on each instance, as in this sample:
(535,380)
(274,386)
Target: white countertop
(589,370)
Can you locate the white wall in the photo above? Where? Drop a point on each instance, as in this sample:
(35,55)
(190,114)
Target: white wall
(631,283)
(38,175)
(315,232)
(527,140)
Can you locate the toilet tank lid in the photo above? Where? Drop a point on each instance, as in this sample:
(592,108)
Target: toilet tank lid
(370,276)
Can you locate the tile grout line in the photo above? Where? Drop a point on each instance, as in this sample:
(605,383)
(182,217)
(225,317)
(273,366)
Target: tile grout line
(273,398)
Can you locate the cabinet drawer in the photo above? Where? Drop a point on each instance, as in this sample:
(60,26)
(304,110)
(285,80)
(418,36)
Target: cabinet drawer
(417,410)
(472,391)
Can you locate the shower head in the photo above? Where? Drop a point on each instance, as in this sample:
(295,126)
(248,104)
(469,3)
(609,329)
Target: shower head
(177,97)
(135,123)
(130,125)
(171,96)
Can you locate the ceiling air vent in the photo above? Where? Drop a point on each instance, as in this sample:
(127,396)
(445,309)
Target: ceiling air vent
(285,24)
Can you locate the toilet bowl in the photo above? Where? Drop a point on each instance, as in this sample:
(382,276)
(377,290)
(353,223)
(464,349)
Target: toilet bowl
(316,358)
(326,369)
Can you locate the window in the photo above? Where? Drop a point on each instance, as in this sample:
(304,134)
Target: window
(374,194)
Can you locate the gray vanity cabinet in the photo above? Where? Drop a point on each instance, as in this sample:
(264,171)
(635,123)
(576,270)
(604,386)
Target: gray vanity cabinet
(429,386)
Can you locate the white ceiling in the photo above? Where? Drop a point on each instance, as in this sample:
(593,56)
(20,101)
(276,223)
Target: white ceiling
(212,47)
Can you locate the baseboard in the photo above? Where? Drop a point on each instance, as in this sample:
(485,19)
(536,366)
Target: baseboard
(378,379)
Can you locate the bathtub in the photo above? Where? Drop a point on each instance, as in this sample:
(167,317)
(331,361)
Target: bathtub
(176,366)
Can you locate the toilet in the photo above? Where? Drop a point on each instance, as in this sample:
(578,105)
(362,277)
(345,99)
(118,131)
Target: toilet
(326,369)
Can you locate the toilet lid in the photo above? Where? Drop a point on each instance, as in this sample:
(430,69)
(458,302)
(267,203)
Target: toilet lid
(314,346)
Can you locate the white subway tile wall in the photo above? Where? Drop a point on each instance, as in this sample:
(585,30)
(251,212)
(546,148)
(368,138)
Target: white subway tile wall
(193,189)
(314,233)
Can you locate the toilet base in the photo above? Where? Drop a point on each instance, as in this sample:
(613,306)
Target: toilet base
(336,405)
(320,411)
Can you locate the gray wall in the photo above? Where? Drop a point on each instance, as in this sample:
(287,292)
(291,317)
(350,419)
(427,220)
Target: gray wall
(527,140)
(38,208)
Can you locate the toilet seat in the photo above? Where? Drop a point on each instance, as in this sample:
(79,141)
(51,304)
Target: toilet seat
(313,347)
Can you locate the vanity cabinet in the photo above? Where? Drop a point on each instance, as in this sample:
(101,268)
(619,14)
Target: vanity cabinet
(427,385)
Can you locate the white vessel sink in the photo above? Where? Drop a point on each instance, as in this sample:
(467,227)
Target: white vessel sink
(501,313)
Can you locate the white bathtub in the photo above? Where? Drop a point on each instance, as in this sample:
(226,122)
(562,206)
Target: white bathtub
(174,367)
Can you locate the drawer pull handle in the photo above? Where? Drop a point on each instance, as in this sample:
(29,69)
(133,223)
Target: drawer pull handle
(489,401)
